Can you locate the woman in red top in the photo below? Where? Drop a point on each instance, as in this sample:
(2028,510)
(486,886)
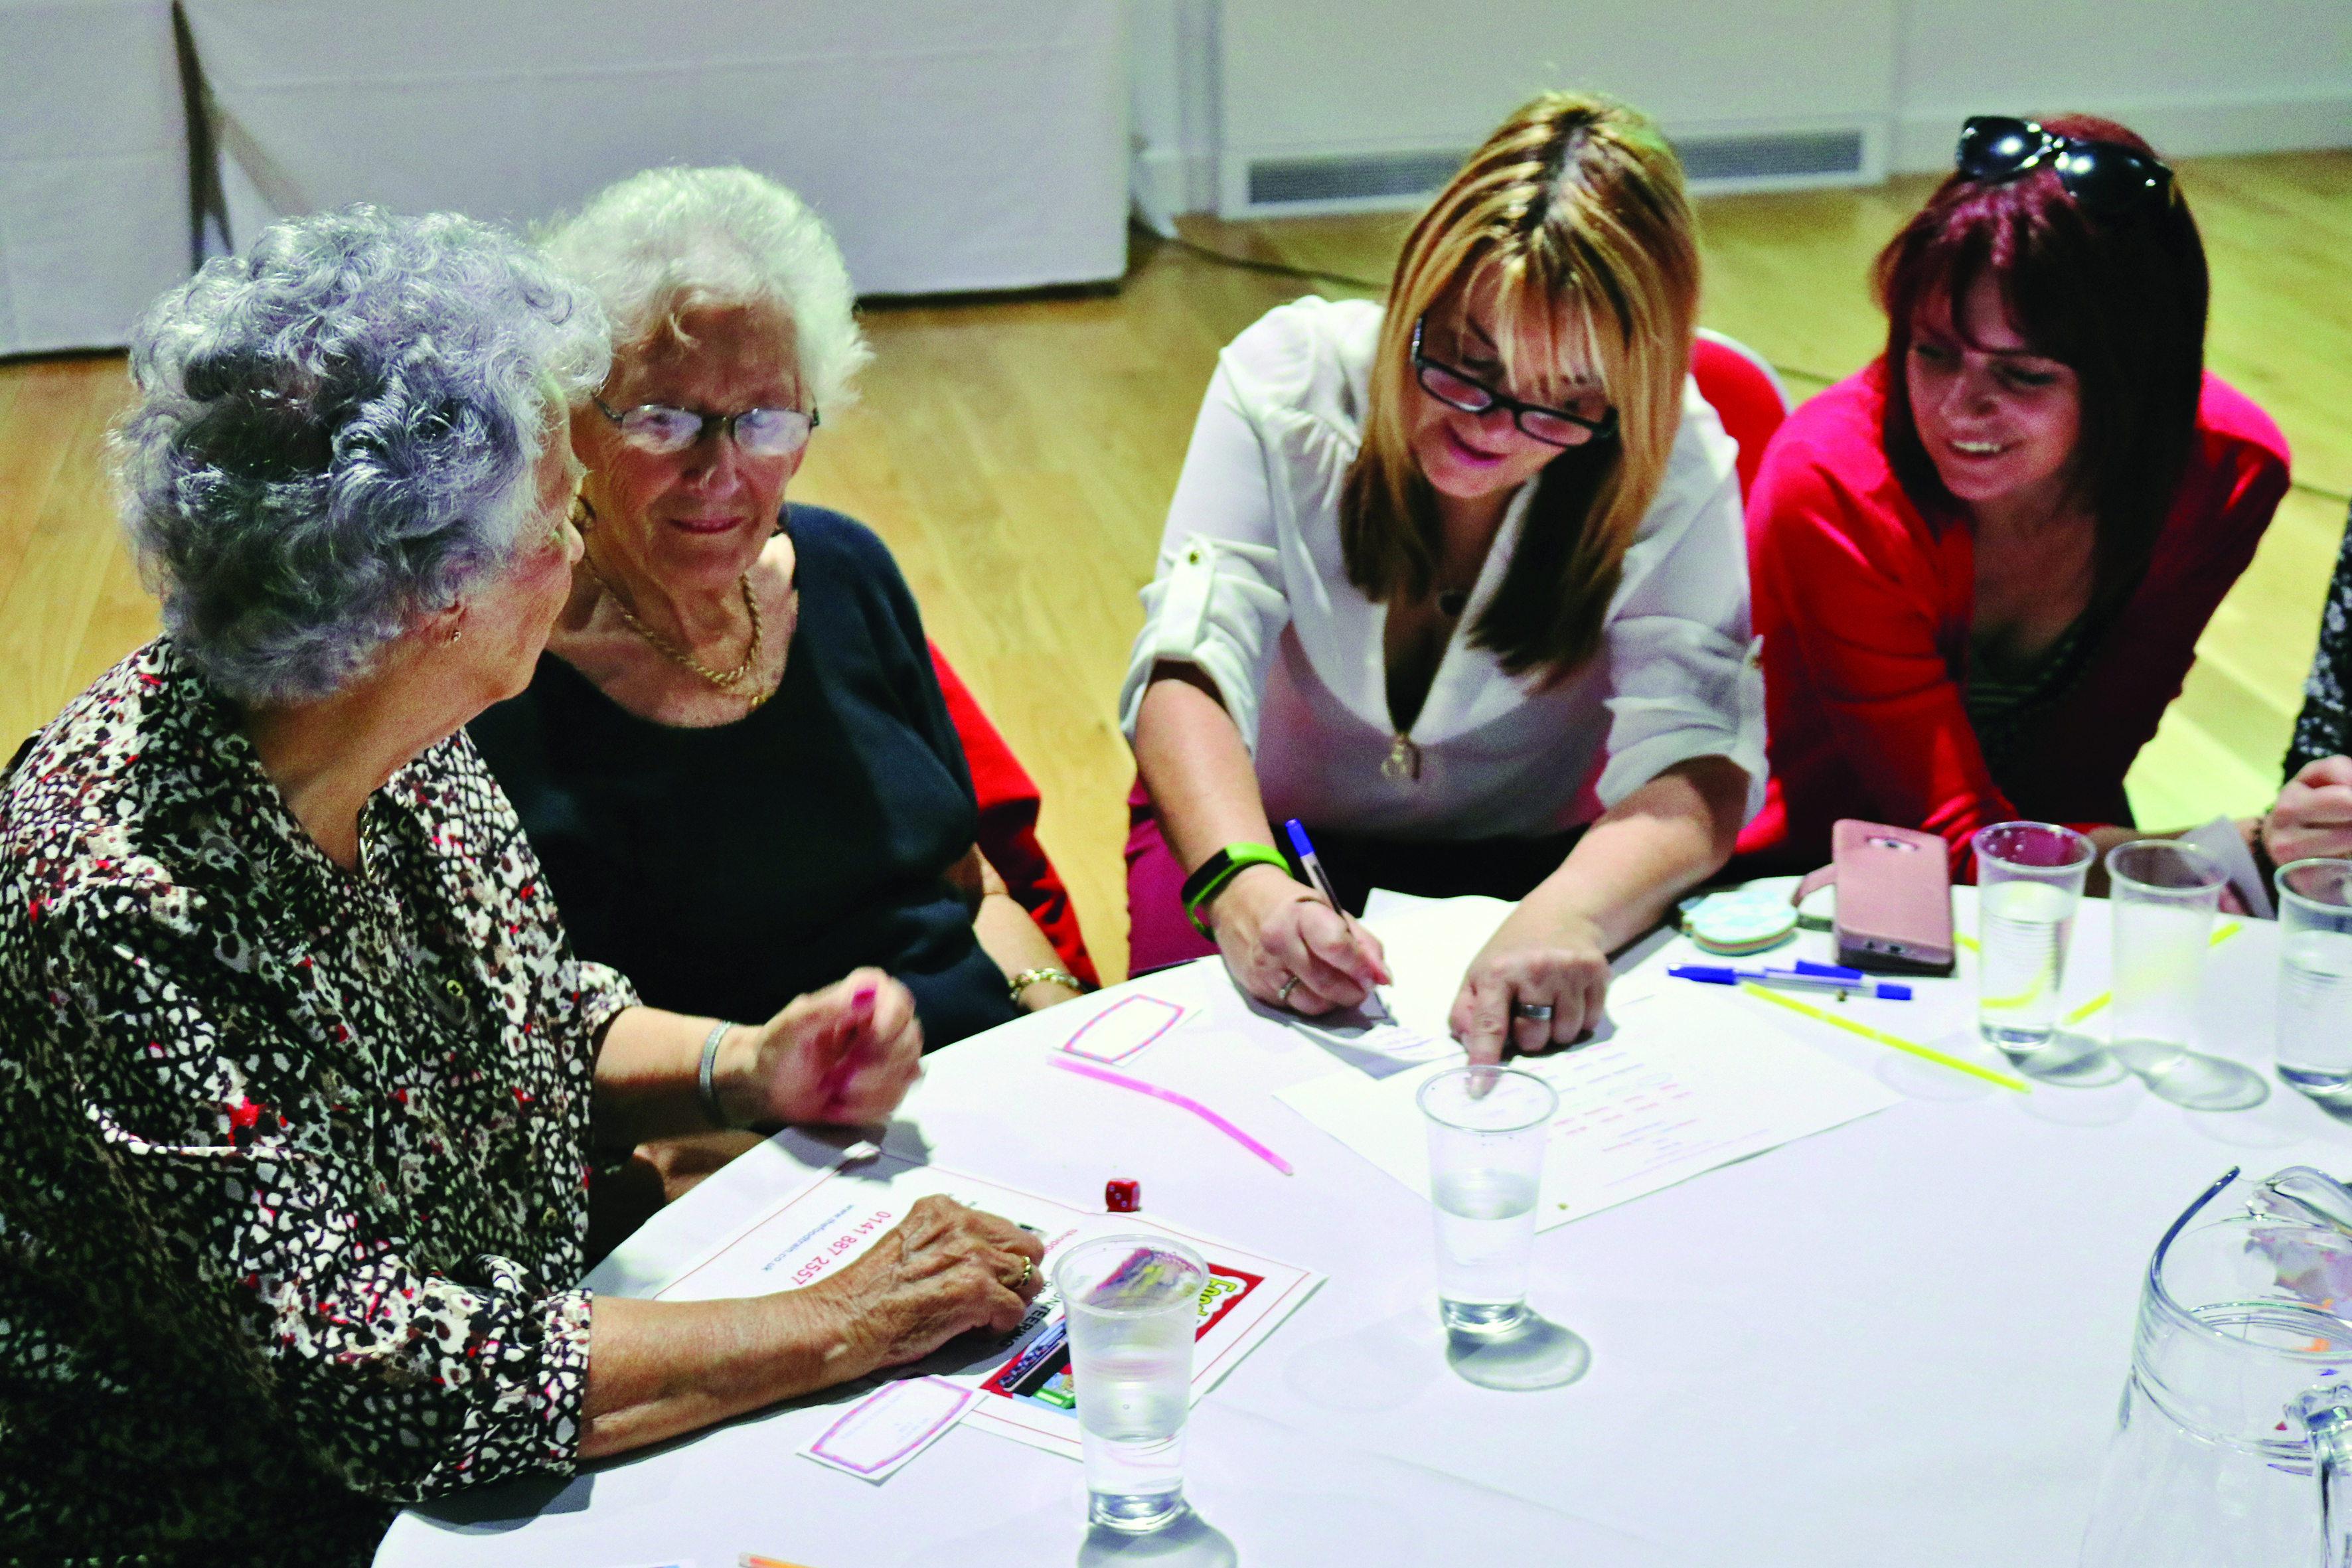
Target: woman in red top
(1980,566)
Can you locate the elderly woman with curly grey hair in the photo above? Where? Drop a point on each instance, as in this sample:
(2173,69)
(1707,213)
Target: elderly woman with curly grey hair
(735,759)
(301,1074)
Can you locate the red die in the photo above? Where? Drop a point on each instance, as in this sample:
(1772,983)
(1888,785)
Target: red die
(1122,1196)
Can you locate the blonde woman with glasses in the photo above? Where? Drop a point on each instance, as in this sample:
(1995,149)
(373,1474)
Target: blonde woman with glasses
(1460,583)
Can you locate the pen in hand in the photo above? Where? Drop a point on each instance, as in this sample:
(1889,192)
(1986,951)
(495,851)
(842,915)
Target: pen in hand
(849,1045)
(1322,880)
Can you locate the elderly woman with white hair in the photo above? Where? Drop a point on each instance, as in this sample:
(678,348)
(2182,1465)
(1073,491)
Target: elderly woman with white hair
(299,1075)
(734,759)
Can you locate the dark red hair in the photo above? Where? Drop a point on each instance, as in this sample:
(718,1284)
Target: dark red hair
(2120,301)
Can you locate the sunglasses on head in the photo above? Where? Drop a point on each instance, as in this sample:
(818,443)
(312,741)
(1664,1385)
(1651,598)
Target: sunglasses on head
(2105,179)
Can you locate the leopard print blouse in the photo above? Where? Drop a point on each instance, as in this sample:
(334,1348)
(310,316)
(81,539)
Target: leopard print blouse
(2324,729)
(293,1161)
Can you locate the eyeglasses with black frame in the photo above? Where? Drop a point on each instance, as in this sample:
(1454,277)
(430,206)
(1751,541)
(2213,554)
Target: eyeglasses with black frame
(1457,389)
(759,432)
(2105,179)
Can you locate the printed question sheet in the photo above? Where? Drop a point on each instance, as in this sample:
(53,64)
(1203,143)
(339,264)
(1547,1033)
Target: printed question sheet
(1684,1084)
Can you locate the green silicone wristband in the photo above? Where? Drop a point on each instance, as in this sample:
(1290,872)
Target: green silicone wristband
(1220,868)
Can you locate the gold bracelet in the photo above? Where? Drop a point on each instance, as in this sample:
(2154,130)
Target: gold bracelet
(1028,977)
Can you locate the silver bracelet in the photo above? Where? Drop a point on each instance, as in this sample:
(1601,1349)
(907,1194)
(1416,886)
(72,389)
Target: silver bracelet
(1028,977)
(702,1079)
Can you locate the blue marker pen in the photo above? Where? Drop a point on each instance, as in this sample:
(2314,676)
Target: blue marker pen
(1322,880)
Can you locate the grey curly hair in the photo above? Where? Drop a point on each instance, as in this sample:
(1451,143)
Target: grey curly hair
(667,241)
(335,434)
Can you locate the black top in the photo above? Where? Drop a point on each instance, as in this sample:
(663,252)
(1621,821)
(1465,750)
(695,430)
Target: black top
(726,871)
(2325,727)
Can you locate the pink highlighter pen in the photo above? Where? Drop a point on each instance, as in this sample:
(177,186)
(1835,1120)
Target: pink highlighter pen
(845,1066)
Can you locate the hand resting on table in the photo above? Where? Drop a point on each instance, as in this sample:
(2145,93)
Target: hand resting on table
(659,1368)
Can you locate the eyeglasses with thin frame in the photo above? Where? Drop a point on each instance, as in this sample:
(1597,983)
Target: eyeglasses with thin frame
(760,432)
(2105,178)
(1458,389)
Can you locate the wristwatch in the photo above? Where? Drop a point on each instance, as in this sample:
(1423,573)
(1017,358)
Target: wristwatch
(1210,880)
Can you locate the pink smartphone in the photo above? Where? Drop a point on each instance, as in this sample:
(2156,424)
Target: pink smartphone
(1894,899)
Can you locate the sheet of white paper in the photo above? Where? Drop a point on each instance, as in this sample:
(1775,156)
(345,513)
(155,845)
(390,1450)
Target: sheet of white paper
(1686,1084)
(1022,1377)
(1375,1046)
(877,1435)
(1125,1027)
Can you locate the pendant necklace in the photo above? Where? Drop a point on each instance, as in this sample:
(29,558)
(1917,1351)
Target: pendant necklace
(726,681)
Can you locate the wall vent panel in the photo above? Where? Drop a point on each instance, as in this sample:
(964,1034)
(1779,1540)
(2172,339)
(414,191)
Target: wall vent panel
(1772,155)
(1284,181)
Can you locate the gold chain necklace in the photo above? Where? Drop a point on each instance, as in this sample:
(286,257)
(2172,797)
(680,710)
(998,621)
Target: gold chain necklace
(724,680)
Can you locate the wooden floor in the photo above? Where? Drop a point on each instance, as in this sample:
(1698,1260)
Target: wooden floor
(1018,455)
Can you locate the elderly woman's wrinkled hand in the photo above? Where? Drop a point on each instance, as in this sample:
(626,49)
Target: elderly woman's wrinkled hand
(944,1269)
(846,1054)
(2314,814)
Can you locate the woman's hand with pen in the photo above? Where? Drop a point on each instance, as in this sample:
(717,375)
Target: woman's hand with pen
(1285,946)
(846,1054)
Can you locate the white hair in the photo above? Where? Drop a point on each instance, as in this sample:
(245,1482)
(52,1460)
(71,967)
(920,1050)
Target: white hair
(668,241)
(335,432)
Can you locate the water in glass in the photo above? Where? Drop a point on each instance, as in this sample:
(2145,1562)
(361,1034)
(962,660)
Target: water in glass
(1486,1229)
(2315,1011)
(2024,930)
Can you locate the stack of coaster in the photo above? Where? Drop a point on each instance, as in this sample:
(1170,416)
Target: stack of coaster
(1741,920)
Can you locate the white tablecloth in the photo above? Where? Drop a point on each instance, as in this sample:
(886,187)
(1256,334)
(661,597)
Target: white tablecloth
(1900,1341)
(93,170)
(952,145)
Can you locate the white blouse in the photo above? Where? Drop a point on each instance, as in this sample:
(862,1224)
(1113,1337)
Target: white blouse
(1252,589)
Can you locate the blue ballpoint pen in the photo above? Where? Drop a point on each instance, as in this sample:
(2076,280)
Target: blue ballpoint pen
(1804,977)
(1322,880)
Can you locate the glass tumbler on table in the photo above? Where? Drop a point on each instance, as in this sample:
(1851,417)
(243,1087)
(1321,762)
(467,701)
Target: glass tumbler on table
(2029,884)
(2163,895)
(2315,995)
(1488,1127)
(1133,1305)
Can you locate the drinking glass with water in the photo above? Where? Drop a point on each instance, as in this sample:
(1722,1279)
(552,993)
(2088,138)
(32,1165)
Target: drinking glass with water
(1132,1304)
(2314,995)
(2029,884)
(1487,1129)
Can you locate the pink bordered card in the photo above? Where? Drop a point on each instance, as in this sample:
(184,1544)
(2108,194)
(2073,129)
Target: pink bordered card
(1124,1028)
(889,1427)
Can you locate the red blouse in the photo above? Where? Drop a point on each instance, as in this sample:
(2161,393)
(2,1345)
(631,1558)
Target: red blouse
(1864,613)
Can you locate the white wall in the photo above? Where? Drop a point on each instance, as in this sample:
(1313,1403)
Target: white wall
(1173,59)
(1234,79)
(2191,76)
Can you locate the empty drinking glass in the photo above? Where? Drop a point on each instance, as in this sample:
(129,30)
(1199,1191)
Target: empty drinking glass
(1487,1128)
(2163,894)
(2029,884)
(1133,1306)
(2314,995)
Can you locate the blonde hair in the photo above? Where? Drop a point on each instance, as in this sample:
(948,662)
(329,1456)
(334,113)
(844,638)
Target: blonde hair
(1575,209)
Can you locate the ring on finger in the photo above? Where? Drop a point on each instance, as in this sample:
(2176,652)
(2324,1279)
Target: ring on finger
(1539,1011)
(1028,1268)
(1282,997)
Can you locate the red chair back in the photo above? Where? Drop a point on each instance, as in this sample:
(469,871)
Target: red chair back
(1746,394)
